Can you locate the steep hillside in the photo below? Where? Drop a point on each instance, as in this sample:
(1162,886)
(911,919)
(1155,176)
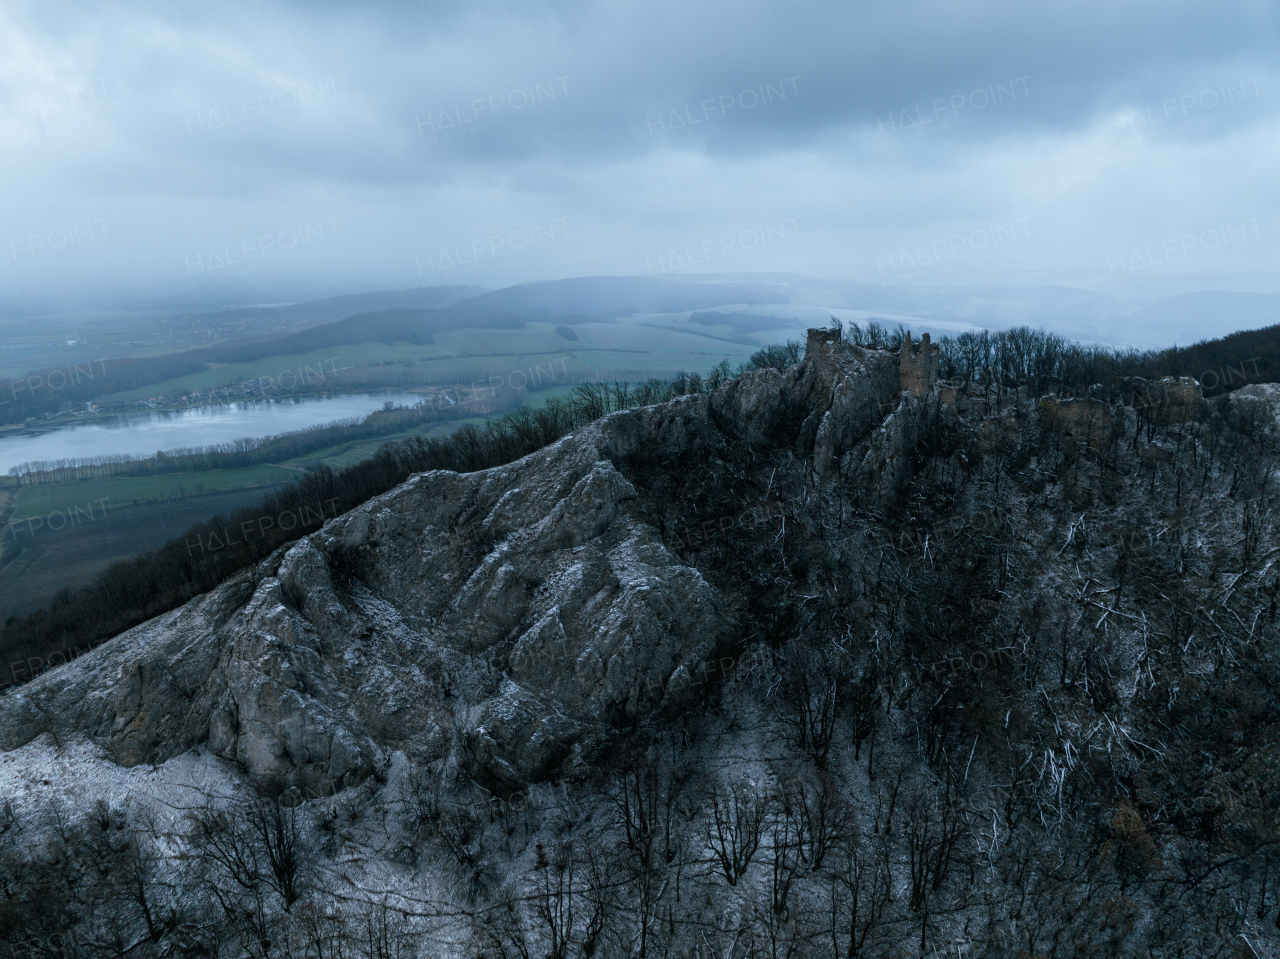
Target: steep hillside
(840,659)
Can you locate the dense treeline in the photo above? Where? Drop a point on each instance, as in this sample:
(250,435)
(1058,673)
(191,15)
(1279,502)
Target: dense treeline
(63,388)
(131,591)
(1259,350)
(601,299)
(1045,362)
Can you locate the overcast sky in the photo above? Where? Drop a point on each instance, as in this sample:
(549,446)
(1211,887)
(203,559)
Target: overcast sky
(205,151)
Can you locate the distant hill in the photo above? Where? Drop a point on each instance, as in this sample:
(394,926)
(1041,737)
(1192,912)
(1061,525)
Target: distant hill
(598,299)
(1189,317)
(1248,356)
(381,326)
(411,316)
(415,315)
(338,307)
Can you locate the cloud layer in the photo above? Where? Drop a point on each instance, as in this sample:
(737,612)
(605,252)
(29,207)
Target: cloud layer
(210,152)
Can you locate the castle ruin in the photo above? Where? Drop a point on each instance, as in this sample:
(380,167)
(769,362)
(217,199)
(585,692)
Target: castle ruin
(918,365)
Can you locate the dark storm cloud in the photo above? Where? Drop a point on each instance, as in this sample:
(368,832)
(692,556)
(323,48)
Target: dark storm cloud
(197,129)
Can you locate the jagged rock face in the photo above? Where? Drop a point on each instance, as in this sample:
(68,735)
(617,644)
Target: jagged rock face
(517,618)
(1049,623)
(526,611)
(1257,405)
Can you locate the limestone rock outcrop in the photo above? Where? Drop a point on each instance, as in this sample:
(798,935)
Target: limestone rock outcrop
(521,613)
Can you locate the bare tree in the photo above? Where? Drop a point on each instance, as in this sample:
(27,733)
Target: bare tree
(644,808)
(422,803)
(255,844)
(278,833)
(462,833)
(140,885)
(862,700)
(644,805)
(323,934)
(810,693)
(860,889)
(774,917)
(816,816)
(733,833)
(932,831)
(383,933)
(601,896)
(554,896)
(498,928)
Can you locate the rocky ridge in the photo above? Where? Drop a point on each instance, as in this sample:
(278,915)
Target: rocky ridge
(531,604)
(1012,662)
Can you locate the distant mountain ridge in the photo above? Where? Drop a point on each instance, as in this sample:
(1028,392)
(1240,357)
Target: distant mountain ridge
(313,312)
(414,315)
(597,298)
(568,302)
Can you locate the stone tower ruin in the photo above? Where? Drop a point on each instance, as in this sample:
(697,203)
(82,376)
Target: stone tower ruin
(820,347)
(917,364)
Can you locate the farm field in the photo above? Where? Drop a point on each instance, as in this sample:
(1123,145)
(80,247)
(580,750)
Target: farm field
(316,365)
(466,354)
(72,556)
(35,501)
(85,337)
(71,339)
(345,454)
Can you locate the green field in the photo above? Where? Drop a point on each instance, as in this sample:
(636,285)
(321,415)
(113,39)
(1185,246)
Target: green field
(33,501)
(345,454)
(604,347)
(48,558)
(360,354)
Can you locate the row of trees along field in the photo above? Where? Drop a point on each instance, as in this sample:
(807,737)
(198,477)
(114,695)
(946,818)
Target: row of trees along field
(64,388)
(269,449)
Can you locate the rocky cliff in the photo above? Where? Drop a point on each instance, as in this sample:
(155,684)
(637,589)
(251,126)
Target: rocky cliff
(535,605)
(1019,650)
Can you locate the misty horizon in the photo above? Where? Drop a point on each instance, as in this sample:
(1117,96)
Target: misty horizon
(162,157)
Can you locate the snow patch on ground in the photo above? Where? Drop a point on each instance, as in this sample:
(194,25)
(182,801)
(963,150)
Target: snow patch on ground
(80,773)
